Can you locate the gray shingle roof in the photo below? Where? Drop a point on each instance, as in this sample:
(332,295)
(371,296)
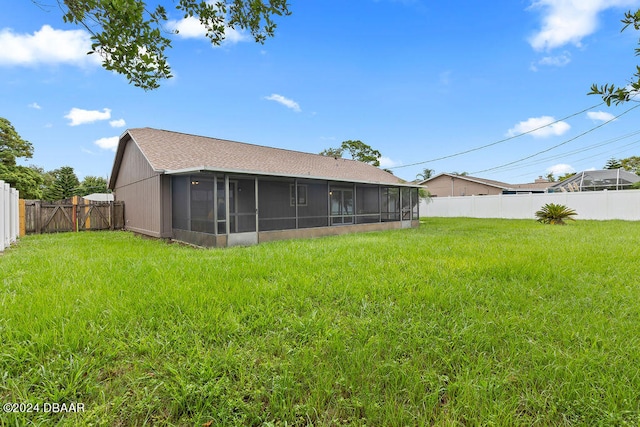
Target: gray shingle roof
(490,182)
(173,152)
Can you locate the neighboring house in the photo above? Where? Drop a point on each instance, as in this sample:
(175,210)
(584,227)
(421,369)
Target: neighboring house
(540,185)
(447,184)
(213,192)
(597,180)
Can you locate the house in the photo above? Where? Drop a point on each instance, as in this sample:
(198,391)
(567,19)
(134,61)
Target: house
(448,184)
(597,180)
(214,192)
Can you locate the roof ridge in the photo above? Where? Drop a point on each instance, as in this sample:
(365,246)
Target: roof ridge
(253,145)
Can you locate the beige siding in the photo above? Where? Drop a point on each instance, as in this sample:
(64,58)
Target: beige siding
(138,186)
(445,185)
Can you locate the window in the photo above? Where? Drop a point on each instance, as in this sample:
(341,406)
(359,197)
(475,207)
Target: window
(302,195)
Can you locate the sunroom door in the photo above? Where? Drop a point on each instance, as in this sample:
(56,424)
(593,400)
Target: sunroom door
(242,212)
(341,200)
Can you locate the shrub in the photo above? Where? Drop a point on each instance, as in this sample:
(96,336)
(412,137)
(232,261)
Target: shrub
(552,213)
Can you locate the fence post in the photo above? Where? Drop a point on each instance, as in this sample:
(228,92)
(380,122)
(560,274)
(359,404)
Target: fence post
(22,218)
(13,215)
(112,215)
(74,213)
(2,218)
(37,219)
(7,215)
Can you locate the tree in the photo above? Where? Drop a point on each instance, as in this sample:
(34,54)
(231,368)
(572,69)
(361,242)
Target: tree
(631,164)
(65,184)
(620,94)
(566,176)
(425,174)
(93,184)
(613,163)
(131,38)
(362,152)
(12,145)
(24,179)
(550,177)
(332,152)
(358,150)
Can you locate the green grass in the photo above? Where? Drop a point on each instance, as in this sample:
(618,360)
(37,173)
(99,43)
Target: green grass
(460,322)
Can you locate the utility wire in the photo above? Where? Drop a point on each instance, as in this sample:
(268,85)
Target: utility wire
(558,145)
(580,150)
(497,142)
(577,161)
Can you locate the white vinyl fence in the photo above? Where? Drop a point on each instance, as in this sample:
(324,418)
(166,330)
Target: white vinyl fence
(601,205)
(9,224)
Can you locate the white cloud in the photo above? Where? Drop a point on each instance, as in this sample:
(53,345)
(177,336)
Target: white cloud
(46,46)
(560,169)
(544,127)
(386,162)
(557,60)
(120,123)
(80,117)
(191,28)
(569,21)
(110,143)
(602,116)
(289,103)
(35,106)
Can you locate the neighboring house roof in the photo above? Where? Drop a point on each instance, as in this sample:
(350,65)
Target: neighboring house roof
(99,197)
(605,178)
(175,153)
(533,185)
(539,185)
(489,182)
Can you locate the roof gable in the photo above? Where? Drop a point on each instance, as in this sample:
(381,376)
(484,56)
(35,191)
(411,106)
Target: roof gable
(170,152)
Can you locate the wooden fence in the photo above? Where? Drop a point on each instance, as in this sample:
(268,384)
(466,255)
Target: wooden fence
(8,215)
(78,215)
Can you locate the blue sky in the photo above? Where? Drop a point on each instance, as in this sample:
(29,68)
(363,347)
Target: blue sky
(419,80)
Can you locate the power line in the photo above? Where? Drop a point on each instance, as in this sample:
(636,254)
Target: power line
(617,150)
(497,142)
(558,145)
(580,150)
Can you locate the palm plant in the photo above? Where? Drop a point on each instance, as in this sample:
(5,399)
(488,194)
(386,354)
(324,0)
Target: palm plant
(552,213)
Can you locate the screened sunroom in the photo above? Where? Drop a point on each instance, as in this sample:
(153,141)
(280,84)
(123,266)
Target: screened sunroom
(239,209)
(598,180)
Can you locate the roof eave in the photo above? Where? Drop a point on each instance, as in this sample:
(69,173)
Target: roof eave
(200,169)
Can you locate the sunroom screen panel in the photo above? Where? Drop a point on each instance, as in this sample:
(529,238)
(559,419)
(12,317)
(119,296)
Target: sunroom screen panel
(276,210)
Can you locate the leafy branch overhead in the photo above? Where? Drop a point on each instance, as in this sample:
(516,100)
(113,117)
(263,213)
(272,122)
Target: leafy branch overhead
(621,94)
(132,39)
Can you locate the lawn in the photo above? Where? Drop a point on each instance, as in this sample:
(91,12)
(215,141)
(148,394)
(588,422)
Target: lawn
(459,322)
